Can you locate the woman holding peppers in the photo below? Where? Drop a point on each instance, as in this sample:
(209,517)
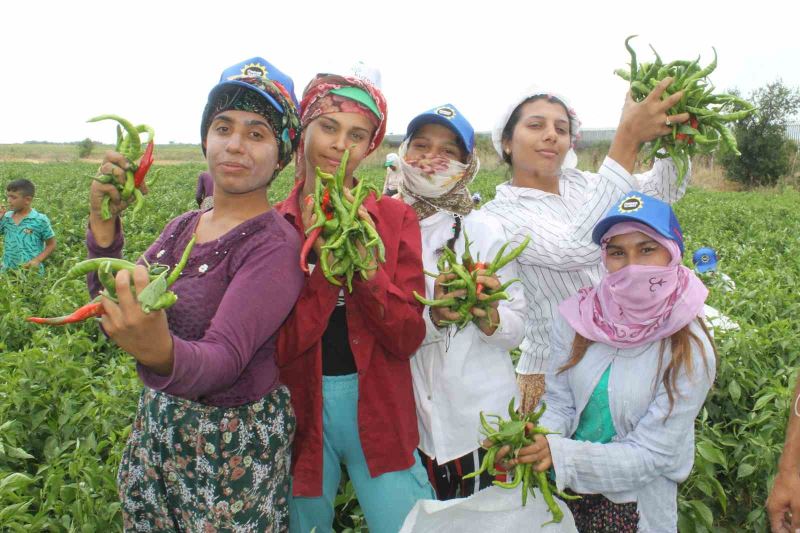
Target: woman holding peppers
(556,205)
(345,356)
(631,366)
(457,374)
(210,445)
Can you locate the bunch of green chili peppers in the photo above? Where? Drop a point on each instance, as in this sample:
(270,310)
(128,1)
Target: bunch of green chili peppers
(152,298)
(129,144)
(339,223)
(464,275)
(516,434)
(708,112)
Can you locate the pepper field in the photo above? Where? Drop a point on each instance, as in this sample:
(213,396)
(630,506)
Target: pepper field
(67,396)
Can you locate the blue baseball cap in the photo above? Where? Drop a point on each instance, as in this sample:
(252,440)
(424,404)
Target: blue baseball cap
(704,259)
(639,207)
(446,115)
(256,67)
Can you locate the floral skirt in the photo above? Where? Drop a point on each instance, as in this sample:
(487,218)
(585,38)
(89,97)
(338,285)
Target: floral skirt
(594,513)
(200,468)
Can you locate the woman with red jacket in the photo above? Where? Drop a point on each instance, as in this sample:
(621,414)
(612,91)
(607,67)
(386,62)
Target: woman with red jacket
(345,356)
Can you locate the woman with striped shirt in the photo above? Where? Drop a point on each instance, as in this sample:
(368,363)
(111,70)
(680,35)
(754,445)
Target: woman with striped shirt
(558,205)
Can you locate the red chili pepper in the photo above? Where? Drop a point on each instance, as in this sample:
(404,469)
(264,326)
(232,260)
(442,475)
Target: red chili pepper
(478,266)
(144,165)
(326,204)
(80,314)
(307,246)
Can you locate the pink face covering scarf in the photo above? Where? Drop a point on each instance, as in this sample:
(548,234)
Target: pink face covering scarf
(638,304)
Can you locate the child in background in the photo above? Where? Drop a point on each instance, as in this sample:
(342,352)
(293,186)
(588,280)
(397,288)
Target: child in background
(28,236)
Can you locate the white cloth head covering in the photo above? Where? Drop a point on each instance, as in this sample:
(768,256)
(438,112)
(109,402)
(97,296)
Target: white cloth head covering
(571,159)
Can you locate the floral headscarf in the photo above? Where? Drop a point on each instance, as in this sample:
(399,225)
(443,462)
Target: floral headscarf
(285,124)
(437,184)
(318,100)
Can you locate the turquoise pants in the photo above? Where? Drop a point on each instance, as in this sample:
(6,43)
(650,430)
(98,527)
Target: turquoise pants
(385,500)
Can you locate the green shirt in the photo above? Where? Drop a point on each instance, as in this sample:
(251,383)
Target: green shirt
(26,240)
(596,424)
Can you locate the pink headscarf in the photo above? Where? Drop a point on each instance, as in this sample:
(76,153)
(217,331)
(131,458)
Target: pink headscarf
(638,304)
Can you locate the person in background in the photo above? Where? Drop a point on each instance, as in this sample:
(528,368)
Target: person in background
(706,266)
(783,503)
(204,194)
(392,180)
(28,237)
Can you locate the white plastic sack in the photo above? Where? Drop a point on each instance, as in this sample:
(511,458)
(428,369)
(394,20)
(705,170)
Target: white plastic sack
(493,509)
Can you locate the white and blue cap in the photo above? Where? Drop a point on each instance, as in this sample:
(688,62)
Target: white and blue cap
(639,207)
(704,259)
(258,68)
(446,115)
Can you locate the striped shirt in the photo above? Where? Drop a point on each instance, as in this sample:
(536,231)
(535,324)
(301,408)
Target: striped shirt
(561,257)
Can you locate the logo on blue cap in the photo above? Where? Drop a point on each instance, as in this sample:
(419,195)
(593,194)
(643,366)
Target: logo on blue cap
(253,70)
(704,259)
(631,204)
(446,112)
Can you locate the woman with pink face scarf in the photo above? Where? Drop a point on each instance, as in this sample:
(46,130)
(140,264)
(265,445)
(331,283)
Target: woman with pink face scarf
(631,366)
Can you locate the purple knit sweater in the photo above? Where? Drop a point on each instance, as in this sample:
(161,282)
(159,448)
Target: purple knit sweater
(233,295)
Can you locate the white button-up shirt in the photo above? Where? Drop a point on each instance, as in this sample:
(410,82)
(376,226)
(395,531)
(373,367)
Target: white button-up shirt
(562,257)
(651,453)
(457,375)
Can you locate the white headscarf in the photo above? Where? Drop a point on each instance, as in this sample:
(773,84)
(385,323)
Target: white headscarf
(571,159)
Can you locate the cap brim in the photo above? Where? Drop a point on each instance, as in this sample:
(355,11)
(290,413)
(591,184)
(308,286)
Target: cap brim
(705,267)
(433,118)
(604,225)
(234,83)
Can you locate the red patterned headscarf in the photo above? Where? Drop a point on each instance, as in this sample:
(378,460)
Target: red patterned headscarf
(318,100)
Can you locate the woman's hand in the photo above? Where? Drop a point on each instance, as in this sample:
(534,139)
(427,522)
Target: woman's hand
(366,257)
(536,453)
(439,314)
(145,336)
(648,119)
(309,219)
(114,165)
(644,121)
(488,318)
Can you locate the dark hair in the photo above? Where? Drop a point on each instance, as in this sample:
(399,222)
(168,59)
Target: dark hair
(508,131)
(23,186)
(456,232)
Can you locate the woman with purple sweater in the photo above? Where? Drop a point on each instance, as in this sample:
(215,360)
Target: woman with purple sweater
(210,446)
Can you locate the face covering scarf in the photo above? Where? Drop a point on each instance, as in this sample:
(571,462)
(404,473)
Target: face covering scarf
(638,304)
(437,184)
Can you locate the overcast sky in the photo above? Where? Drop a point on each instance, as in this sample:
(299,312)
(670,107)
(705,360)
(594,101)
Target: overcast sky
(154,62)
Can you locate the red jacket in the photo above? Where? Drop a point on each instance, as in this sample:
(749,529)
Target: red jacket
(385,328)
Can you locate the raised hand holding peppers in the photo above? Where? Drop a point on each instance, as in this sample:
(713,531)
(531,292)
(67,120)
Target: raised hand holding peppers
(708,112)
(132,186)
